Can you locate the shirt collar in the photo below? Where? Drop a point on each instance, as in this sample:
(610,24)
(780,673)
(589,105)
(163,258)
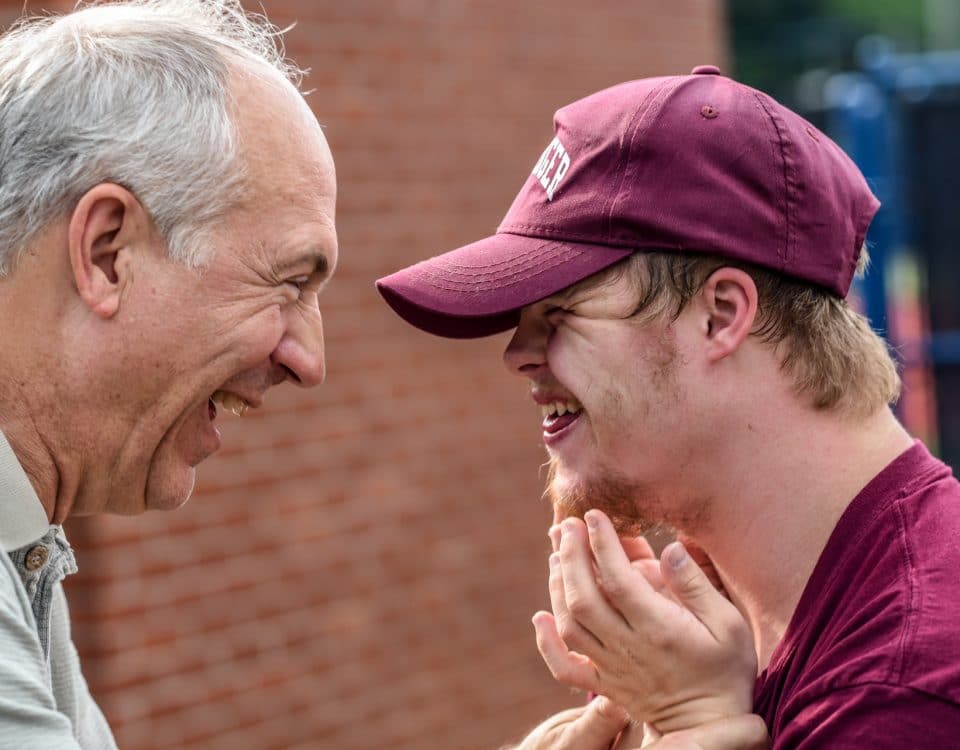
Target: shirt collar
(22,516)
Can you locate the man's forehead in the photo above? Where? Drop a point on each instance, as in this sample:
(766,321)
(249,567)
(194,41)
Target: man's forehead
(598,283)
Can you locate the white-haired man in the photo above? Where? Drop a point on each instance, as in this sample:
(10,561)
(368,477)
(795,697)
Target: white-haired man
(675,269)
(162,247)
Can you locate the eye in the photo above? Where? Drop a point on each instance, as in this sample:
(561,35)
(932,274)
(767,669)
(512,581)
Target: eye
(554,313)
(298,282)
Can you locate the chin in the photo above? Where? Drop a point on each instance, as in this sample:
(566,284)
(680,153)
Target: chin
(631,506)
(170,491)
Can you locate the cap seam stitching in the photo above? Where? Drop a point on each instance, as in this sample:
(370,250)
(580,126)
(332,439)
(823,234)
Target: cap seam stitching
(511,279)
(516,260)
(626,154)
(785,255)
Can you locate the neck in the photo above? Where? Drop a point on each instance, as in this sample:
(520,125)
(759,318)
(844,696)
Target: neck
(31,412)
(766,540)
(26,438)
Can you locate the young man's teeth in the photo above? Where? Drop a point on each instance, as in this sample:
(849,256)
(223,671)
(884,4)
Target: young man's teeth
(231,402)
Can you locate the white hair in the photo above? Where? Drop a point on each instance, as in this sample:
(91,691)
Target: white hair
(134,93)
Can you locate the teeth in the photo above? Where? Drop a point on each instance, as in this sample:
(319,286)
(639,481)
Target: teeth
(231,402)
(559,408)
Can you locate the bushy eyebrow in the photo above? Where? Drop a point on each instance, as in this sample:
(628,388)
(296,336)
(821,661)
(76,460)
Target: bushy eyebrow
(313,257)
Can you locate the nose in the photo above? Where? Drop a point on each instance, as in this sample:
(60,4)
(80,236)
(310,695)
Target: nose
(527,350)
(300,351)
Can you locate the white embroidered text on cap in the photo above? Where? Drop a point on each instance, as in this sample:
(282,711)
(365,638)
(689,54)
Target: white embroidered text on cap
(552,166)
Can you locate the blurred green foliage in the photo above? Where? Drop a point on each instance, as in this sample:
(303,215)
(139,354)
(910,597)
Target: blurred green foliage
(775,41)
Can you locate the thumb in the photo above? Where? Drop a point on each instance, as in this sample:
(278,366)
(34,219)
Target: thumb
(690,584)
(598,726)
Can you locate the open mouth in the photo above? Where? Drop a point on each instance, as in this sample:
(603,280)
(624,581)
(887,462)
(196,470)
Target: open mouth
(231,402)
(558,415)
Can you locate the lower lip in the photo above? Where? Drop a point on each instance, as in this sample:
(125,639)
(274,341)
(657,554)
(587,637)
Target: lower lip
(556,429)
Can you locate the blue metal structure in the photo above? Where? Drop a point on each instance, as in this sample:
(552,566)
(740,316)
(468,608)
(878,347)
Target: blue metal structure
(899,119)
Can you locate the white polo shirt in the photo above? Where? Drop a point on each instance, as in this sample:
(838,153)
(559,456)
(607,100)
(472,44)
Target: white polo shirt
(44,700)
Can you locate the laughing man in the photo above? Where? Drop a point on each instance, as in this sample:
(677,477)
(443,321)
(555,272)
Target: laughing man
(675,271)
(162,246)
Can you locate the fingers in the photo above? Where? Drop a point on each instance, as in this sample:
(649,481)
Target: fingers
(691,586)
(701,558)
(575,605)
(554,535)
(578,602)
(567,667)
(597,727)
(637,548)
(625,586)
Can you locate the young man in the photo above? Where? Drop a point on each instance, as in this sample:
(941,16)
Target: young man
(676,268)
(162,246)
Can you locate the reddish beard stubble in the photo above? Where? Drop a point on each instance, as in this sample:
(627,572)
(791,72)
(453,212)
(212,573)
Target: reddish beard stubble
(631,507)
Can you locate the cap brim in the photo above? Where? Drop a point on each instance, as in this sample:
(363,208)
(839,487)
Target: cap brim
(479,289)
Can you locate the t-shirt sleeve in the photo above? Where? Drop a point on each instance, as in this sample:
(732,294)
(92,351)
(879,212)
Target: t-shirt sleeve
(876,716)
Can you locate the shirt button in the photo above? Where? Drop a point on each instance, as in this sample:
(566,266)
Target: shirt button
(37,557)
(705,70)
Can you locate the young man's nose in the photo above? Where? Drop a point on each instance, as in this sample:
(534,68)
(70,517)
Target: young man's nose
(526,352)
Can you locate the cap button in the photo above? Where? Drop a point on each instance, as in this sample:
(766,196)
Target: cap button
(705,70)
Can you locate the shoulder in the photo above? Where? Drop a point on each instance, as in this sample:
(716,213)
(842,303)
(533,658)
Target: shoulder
(884,613)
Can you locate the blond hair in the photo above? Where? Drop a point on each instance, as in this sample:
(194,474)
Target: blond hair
(836,360)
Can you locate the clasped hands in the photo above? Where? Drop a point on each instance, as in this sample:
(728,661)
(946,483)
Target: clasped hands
(653,638)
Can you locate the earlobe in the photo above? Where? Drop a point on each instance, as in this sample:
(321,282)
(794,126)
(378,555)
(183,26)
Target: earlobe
(730,299)
(107,221)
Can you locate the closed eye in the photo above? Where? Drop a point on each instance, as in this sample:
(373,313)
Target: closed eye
(298,281)
(554,313)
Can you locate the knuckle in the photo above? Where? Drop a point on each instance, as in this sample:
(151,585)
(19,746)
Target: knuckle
(578,605)
(614,587)
(567,629)
(563,673)
(660,640)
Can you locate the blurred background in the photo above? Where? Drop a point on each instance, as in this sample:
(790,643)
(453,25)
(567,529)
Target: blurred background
(359,564)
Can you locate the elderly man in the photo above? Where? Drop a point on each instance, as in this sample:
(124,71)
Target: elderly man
(675,269)
(162,247)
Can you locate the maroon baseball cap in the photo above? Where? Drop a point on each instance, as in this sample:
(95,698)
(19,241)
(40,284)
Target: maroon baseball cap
(696,163)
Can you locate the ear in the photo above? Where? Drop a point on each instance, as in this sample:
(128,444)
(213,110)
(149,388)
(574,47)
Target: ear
(729,298)
(107,223)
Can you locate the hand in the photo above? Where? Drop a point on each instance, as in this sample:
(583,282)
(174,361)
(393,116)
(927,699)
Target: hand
(594,726)
(674,662)
(641,556)
(744,732)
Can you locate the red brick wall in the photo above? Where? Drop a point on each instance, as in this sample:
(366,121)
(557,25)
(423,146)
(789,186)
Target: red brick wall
(360,562)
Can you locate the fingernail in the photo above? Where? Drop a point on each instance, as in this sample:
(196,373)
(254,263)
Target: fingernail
(591,519)
(555,560)
(677,556)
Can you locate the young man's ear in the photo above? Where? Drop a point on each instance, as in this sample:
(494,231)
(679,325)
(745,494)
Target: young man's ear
(107,221)
(729,296)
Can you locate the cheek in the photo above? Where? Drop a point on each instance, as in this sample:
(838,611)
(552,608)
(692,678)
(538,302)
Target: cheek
(255,338)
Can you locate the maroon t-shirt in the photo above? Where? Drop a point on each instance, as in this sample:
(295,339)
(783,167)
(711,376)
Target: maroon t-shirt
(871,658)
